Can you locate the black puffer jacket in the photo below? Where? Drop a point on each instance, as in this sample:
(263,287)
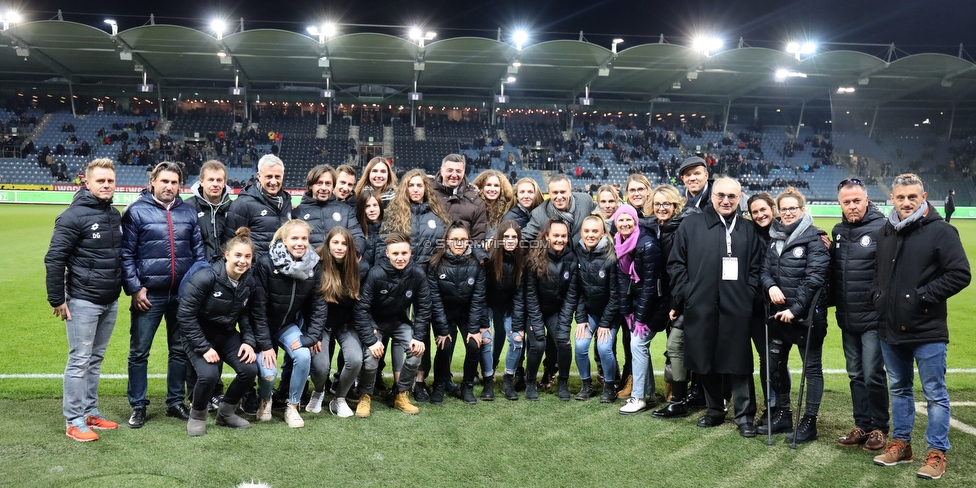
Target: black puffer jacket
(853,265)
(87,240)
(599,289)
(159,245)
(556,293)
(500,293)
(519,214)
(919,268)
(211,218)
(323,216)
(282,300)
(262,213)
(385,298)
(426,232)
(373,242)
(211,308)
(665,238)
(642,298)
(341,315)
(799,271)
(460,282)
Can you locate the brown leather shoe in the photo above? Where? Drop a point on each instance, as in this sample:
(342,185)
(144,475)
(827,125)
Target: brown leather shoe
(876,441)
(855,437)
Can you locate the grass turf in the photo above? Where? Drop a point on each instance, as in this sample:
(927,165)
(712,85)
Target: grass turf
(505,443)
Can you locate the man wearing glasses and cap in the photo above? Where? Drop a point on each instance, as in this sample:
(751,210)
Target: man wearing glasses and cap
(694,174)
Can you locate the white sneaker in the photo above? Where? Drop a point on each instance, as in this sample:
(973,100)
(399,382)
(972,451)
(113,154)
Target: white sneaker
(633,405)
(315,402)
(264,410)
(339,408)
(292,418)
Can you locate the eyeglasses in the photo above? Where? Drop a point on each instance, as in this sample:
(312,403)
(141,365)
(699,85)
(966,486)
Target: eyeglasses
(790,210)
(637,190)
(663,206)
(849,182)
(722,197)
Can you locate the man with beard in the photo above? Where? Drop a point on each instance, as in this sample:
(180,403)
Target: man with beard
(461,201)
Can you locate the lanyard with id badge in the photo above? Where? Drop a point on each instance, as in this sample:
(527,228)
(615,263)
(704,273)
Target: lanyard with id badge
(730,264)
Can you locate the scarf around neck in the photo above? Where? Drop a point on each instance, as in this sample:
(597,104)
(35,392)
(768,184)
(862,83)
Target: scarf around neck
(625,248)
(783,235)
(901,224)
(288,266)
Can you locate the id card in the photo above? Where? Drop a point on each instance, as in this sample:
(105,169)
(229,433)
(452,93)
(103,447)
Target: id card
(730,269)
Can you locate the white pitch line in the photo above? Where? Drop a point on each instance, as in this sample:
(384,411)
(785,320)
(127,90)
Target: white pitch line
(921,407)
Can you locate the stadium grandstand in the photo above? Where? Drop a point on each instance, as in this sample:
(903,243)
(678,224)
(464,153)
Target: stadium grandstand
(768,117)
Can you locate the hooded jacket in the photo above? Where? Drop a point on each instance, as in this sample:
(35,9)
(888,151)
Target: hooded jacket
(919,268)
(260,212)
(159,245)
(211,308)
(210,217)
(426,232)
(84,259)
(323,216)
(385,298)
(853,263)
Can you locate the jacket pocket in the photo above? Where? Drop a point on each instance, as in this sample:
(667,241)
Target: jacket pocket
(910,311)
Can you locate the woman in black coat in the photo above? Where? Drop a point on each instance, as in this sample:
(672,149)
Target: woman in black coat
(544,311)
(212,306)
(460,282)
(793,272)
(504,274)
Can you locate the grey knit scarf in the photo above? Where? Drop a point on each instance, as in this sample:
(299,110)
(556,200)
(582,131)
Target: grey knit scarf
(901,224)
(287,265)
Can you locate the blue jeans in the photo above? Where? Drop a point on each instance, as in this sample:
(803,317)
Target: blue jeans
(931,361)
(89,329)
(501,321)
(513,357)
(643,370)
(604,349)
(869,391)
(303,363)
(488,354)
(142,330)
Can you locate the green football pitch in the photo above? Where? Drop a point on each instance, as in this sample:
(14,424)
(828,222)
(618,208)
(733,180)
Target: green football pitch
(546,443)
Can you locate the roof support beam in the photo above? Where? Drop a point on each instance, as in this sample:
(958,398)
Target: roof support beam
(43,58)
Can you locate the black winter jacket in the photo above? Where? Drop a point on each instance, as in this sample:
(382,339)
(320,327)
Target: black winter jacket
(281,300)
(919,268)
(84,260)
(519,214)
(373,242)
(262,213)
(341,315)
(323,216)
(385,297)
(599,288)
(799,271)
(460,283)
(211,308)
(426,232)
(642,298)
(556,293)
(500,293)
(211,219)
(853,265)
(159,245)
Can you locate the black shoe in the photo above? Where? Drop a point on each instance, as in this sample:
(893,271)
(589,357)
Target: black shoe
(250,402)
(531,392)
(586,392)
(467,393)
(215,402)
(672,410)
(451,388)
(609,394)
(437,396)
(138,418)
(178,411)
(519,379)
(488,389)
(747,430)
(710,421)
(508,388)
(563,392)
(763,419)
(420,393)
(696,397)
(806,432)
(782,422)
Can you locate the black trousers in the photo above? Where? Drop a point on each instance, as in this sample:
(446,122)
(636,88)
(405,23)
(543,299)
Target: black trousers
(743,396)
(558,336)
(472,353)
(208,374)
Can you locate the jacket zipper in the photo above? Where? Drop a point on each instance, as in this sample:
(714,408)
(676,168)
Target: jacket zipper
(291,302)
(172,249)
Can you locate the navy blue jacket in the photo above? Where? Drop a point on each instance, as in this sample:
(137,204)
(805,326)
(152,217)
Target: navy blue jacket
(323,216)
(159,245)
(211,308)
(259,212)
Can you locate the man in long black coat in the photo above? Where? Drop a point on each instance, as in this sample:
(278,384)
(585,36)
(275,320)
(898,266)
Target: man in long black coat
(714,267)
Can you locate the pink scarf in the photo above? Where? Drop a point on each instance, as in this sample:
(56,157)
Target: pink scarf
(625,248)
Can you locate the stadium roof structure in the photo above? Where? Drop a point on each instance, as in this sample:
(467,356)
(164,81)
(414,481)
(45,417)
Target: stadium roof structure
(291,66)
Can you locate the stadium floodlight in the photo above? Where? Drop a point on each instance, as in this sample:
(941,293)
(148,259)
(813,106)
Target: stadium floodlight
(510,79)
(11,17)
(218,27)
(796,49)
(520,37)
(417,34)
(808,48)
(845,89)
(783,74)
(114,25)
(707,45)
(613,45)
(793,47)
(327,31)
(516,64)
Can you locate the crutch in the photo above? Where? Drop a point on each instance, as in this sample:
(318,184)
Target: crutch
(769,382)
(808,321)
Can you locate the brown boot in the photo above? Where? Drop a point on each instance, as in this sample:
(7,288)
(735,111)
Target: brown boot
(402,403)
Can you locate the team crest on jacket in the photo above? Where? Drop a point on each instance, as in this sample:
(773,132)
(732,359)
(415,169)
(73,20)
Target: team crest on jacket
(470,281)
(94,226)
(565,275)
(306,216)
(798,252)
(409,293)
(443,276)
(865,241)
(200,214)
(336,217)
(602,273)
(217,294)
(432,224)
(264,212)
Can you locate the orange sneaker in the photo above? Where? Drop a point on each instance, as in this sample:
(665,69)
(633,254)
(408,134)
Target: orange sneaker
(81,434)
(96,421)
(935,465)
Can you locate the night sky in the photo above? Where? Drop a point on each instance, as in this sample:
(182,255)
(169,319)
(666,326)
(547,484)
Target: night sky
(914,26)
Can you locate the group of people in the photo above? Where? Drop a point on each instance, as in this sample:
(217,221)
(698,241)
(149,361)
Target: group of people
(412,266)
